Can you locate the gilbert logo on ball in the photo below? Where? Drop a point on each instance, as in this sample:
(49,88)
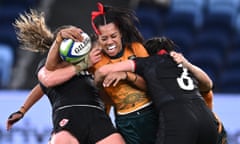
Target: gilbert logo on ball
(74,52)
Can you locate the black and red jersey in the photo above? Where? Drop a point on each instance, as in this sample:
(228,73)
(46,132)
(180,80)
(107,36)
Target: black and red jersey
(79,90)
(166,80)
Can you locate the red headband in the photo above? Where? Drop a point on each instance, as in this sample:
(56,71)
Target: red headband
(162,52)
(95,14)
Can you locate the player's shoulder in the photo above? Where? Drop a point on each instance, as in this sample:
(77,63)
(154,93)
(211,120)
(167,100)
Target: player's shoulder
(104,60)
(137,46)
(139,50)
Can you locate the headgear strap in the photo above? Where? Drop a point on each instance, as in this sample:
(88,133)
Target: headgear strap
(95,14)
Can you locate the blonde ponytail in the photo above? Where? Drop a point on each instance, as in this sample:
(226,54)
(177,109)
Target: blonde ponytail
(32,32)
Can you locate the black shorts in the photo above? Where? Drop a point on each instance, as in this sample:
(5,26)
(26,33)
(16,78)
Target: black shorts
(187,121)
(87,124)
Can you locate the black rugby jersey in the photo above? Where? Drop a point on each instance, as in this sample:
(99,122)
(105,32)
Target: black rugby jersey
(79,90)
(166,80)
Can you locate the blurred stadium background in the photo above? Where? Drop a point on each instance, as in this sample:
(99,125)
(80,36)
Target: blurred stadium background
(206,31)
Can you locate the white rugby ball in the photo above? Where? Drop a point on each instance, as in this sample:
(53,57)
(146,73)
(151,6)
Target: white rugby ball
(72,51)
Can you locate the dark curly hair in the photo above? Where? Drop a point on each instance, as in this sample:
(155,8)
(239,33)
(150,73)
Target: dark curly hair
(124,18)
(155,44)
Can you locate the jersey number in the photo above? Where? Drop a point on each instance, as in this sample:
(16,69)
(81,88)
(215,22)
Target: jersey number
(184,81)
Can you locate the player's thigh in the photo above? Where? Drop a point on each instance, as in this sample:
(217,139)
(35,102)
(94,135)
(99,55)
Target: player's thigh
(63,137)
(114,138)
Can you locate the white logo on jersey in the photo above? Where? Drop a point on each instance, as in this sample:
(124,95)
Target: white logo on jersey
(184,81)
(63,122)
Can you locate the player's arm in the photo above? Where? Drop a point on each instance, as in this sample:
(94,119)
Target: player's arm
(114,78)
(56,71)
(60,75)
(205,83)
(52,78)
(136,80)
(54,60)
(102,72)
(35,94)
(208,97)
(132,78)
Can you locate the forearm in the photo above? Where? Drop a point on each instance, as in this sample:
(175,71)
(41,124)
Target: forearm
(103,71)
(53,58)
(208,97)
(116,67)
(35,94)
(32,98)
(205,83)
(56,77)
(136,80)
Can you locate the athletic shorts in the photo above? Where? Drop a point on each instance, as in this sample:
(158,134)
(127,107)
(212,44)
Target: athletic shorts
(139,127)
(87,124)
(186,121)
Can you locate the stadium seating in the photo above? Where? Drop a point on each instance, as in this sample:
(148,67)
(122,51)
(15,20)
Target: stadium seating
(195,7)
(186,20)
(206,31)
(181,25)
(7,17)
(209,61)
(221,15)
(229,7)
(6,58)
(230,76)
(230,81)
(214,40)
(232,60)
(150,20)
(9,10)
(182,37)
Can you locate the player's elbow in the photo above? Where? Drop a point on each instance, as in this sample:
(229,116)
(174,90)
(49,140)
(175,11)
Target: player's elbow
(45,78)
(206,86)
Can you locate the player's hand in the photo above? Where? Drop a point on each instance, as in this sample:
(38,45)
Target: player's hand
(179,58)
(82,65)
(114,78)
(71,33)
(95,54)
(13,118)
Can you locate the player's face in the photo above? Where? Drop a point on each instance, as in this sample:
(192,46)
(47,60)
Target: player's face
(110,39)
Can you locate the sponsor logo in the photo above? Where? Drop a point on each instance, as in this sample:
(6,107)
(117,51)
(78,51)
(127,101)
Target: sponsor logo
(63,122)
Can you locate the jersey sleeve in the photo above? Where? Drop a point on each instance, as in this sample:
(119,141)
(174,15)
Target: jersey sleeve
(139,65)
(40,65)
